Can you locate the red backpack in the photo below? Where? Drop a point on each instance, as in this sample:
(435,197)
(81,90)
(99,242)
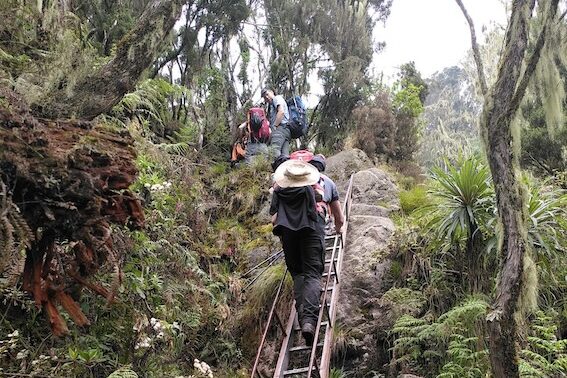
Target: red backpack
(258,125)
(304,155)
(318,188)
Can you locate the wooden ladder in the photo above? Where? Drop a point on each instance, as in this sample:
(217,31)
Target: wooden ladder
(295,358)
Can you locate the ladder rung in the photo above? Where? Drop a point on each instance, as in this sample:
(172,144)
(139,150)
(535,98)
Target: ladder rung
(322,324)
(330,288)
(304,347)
(326,274)
(298,371)
(329,260)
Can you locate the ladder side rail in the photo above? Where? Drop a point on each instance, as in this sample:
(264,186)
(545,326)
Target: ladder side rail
(268,323)
(327,343)
(283,358)
(336,246)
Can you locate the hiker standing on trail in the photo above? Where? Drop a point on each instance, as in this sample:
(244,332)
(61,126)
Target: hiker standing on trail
(279,122)
(299,220)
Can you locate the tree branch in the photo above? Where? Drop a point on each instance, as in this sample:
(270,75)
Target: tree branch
(476,50)
(100,91)
(170,56)
(534,58)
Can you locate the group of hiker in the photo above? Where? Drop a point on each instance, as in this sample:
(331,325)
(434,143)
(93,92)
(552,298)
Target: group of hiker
(305,202)
(270,136)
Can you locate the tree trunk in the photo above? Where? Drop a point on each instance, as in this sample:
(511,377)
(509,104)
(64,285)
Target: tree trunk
(229,91)
(500,107)
(100,91)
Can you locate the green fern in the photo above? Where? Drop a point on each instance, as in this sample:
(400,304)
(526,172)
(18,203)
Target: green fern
(180,148)
(15,238)
(150,100)
(450,343)
(337,373)
(465,316)
(124,372)
(463,359)
(545,355)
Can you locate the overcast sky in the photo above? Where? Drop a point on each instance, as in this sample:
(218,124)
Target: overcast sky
(433,33)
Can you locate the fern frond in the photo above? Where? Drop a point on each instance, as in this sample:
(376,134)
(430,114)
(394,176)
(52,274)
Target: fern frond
(560,365)
(15,237)
(6,242)
(180,148)
(535,359)
(124,372)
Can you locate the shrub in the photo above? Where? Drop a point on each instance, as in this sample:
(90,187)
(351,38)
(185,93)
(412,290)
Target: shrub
(413,199)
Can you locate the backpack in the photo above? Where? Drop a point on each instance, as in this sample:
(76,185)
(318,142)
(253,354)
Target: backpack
(298,117)
(304,155)
(318,188)
(258,125)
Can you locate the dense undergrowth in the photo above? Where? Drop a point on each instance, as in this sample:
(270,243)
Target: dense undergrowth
(180,284)
(444,274)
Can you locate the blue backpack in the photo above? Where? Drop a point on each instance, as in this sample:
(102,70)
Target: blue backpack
(298,117)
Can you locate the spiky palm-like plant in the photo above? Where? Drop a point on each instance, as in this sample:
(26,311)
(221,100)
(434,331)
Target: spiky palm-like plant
(463,214)
(547,234)
(463,205)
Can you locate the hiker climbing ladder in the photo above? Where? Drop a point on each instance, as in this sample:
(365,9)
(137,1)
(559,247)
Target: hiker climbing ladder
(295,358)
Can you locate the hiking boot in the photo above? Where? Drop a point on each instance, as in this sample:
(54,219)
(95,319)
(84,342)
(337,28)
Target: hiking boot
(308,332)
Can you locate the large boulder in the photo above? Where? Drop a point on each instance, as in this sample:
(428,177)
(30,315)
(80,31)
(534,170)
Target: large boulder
(374,187)
(365,265)
(342,165)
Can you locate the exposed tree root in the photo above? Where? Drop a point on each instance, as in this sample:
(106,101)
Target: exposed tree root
(70,180)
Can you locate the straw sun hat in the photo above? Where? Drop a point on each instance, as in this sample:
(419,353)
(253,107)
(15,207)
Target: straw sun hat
(296,173)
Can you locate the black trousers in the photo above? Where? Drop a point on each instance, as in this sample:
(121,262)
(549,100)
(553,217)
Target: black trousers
(304,254)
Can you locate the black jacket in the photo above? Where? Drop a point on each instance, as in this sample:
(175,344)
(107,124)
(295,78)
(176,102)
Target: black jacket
(296,209)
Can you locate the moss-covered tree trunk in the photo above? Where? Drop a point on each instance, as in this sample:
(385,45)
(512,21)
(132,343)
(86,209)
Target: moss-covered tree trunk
(99,92)
(500,108)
